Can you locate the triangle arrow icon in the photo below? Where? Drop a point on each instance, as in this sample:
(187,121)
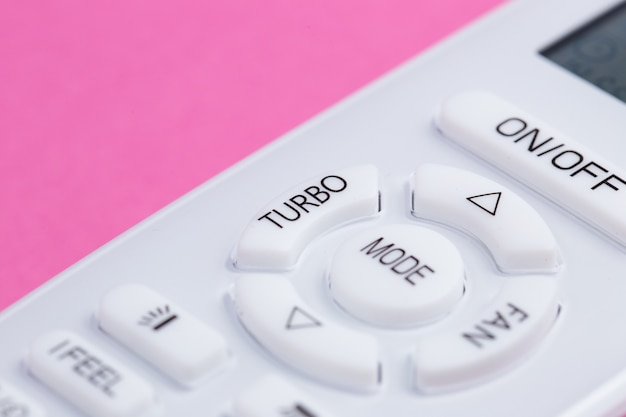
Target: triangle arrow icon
(300,319)
(488,202)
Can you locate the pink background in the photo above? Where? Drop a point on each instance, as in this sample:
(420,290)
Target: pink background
(111,109)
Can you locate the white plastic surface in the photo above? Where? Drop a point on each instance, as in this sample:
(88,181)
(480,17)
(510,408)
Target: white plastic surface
(14,403)
(516,236)
(162,333)
(397,275)
(516,322)
(89,378)
(284,324)
(272,396)
(606,401)
(276,237)
(186,251)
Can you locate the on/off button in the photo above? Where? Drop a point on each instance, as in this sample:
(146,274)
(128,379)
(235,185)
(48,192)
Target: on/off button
(547,160)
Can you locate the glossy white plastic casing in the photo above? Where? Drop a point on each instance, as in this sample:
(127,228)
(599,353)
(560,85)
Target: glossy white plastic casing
(185,252)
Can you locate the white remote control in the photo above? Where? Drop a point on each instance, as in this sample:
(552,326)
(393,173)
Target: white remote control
(449,241)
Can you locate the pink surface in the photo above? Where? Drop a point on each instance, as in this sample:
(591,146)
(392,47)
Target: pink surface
(111,109)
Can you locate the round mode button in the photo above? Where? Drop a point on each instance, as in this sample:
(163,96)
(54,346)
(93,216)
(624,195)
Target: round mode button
(397,275)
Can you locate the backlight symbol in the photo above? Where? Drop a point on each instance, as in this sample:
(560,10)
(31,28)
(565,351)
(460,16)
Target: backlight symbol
(158,318)
(297,410)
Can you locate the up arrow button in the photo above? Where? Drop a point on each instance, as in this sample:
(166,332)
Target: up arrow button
(488,202)
(517,237)
(300,319)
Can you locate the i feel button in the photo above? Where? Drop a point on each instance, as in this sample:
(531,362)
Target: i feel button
(397,275)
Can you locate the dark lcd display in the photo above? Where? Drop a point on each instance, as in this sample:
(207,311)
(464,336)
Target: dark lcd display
(596,52)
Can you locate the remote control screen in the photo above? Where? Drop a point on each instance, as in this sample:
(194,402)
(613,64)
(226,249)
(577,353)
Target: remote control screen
(596,52)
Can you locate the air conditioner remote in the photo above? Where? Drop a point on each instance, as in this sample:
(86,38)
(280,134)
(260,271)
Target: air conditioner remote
(451,240)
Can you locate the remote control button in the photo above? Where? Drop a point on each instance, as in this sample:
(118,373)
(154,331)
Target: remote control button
(280,232)
(397,275)
(516,236)
(274,397)
(546,160)
(509,328)
(165,335)
(13,403)
(87,377)
(271,310)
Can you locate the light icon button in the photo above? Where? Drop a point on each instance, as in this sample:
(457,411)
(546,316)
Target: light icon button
(174,341)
